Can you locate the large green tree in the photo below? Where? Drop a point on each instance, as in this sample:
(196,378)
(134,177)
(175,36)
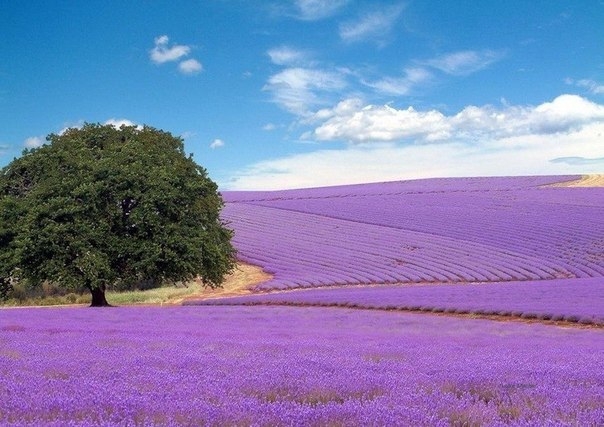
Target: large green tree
(104,208)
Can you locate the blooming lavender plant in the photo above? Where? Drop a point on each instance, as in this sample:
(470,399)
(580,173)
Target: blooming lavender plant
(573,300)
(292,366)
(444,230)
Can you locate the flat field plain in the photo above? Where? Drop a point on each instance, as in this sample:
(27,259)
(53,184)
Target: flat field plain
(446,302)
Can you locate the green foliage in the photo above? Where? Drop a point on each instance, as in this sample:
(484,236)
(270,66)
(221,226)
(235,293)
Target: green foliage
(105,208)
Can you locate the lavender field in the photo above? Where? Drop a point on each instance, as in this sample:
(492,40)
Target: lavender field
(571,300)
(424,231)
(292,366)
(345,332)
(538,245)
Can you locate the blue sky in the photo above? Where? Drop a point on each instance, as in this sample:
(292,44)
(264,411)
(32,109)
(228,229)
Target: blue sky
(301,93)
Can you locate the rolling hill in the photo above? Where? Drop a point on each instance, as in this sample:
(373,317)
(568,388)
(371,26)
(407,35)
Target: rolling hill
(522,247)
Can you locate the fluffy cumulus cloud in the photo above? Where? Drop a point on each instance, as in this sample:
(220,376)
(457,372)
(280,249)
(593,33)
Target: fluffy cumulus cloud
(190,66)
(564,136)
(353,121)
(163,52)
(372,25)
(313,10)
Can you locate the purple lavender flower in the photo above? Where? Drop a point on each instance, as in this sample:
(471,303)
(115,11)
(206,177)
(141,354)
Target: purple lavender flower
(292,366)
(435,231)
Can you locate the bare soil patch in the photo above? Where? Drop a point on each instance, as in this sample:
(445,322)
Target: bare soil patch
(239,282)
(594,180)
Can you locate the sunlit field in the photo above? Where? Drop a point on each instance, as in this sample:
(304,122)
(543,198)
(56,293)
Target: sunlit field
(447,302)
(292,366)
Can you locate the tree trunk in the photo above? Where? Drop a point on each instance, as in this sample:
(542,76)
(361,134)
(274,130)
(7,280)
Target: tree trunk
(98,297)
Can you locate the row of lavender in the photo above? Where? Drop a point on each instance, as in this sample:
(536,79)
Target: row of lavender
(571,300)
(292,366)
(564,224)
(305,250)
(444,230)
(423,186)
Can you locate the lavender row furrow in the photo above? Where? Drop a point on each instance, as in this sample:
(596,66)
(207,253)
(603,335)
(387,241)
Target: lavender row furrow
(575,300)
(296,267)
(440,201)
(371,248)
(476,222)
(292,257)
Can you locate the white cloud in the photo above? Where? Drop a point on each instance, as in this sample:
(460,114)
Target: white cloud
(465,62)
(302,85)
(299,89)
(34,142)
(373,25)
(217,143)
(412,77)
(163,53)
(190,66)
(269,127)
(355,122)
(578,160)
(564,136)
(422,72)
(388,162)
(313,10)
(162,40)
(288,56)
(591,85)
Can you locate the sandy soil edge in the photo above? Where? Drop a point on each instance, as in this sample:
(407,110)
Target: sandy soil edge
(239,282)
(594,180)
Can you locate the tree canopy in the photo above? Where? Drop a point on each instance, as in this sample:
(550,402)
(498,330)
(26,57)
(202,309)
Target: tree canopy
(104,208)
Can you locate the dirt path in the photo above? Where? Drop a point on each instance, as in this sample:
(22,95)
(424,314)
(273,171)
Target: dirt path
(237,283)
(246,276)
(585,181)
